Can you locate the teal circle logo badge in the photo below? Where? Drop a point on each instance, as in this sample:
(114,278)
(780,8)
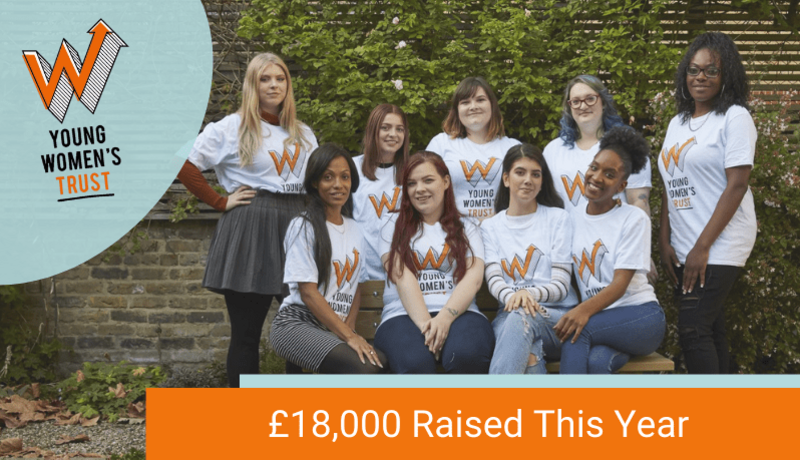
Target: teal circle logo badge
(100,114)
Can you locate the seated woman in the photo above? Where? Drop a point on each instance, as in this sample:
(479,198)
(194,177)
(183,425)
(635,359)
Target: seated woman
(528,247)
(434,265)
(315,327)
(620,315)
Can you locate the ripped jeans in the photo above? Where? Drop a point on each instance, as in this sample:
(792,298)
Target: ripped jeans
(701,320)
(518,335)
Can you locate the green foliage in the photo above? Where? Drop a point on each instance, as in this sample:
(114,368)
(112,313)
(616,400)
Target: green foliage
(133,242)
(133,454)
(354,57)
(761,311)
(188,204)
(92,390)
(270,363)
(27,355)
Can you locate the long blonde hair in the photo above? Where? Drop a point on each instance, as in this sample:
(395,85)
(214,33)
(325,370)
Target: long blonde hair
(250,135)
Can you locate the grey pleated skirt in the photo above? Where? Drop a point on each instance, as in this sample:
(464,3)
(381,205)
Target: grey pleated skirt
(246,252)
(298,336)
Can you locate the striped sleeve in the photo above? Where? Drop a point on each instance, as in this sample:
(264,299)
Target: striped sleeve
(556,290)
(497,285)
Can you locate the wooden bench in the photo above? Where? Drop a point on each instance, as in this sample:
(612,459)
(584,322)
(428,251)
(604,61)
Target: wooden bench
(369,317)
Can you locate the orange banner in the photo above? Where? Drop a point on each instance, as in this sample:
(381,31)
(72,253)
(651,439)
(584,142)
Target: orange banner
(394,423)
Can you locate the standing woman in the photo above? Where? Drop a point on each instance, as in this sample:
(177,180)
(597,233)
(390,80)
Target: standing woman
(434,264)
(528,248)
(380,171)
(619,315)
(473,145)
(587,113)
(315,327)
(259,155)
(708,220)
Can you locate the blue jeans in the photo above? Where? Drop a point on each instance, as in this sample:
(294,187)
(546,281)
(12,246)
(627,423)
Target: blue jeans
(520,335)
(467,350)
(701,320)
(621,331)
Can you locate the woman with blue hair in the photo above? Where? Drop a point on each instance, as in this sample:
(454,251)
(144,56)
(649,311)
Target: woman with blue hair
(587,114)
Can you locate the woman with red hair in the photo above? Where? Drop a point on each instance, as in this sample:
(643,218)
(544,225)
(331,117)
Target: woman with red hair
(434,264)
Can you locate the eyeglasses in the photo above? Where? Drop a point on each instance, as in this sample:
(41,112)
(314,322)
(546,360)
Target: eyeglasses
(709,72)
(589,100)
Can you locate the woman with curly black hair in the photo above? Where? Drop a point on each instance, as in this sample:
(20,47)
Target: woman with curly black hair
(587,113)
(708,221)
(619,314)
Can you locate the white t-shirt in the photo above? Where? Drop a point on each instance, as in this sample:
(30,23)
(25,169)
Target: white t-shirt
(274,168)
(526,247)
(692,165)
(373,204)
(346,263)
(568,166)
(475,169)
(616,240)
(434,269)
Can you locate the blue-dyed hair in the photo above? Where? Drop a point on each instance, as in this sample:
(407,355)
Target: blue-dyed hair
(569,128)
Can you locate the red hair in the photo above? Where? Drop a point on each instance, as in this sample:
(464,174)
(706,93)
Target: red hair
(409,223)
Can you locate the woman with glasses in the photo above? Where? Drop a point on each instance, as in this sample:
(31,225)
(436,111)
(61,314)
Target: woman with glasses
(708,221)
(587,114)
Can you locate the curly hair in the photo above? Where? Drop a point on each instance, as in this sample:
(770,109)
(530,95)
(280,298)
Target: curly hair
(569,127)
(631,147)
(735,87)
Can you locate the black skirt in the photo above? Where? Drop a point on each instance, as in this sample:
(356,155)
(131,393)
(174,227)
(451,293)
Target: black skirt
(246,252)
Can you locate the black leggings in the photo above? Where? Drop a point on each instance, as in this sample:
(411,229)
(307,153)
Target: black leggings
(247,312)
(344,360)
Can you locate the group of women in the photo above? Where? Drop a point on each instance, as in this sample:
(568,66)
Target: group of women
(476,205)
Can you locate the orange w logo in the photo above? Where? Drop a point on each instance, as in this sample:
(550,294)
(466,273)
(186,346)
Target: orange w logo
(572,186)
(598,252)
(346,272)
(287,158)
(385,203)
(486,172)
(432,259)
(520,267)
(69,75)
(675,156)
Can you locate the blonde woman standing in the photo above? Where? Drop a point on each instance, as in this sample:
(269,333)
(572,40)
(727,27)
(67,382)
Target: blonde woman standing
(259,155)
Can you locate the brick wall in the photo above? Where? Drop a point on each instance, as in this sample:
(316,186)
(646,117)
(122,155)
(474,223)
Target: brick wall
(146,307)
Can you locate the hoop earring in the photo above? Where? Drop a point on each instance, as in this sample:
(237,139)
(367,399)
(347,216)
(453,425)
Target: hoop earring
(723,89)
(683,92)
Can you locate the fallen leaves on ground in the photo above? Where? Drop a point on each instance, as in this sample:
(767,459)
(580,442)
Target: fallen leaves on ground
(66,439)
(119,392)
(136,410)
(10,445)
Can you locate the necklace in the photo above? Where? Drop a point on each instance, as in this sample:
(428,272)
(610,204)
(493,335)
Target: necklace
(338,228)
(707,116)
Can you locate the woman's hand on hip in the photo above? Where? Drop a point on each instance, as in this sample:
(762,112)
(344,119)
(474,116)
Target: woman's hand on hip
(364,350)
(240,197)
